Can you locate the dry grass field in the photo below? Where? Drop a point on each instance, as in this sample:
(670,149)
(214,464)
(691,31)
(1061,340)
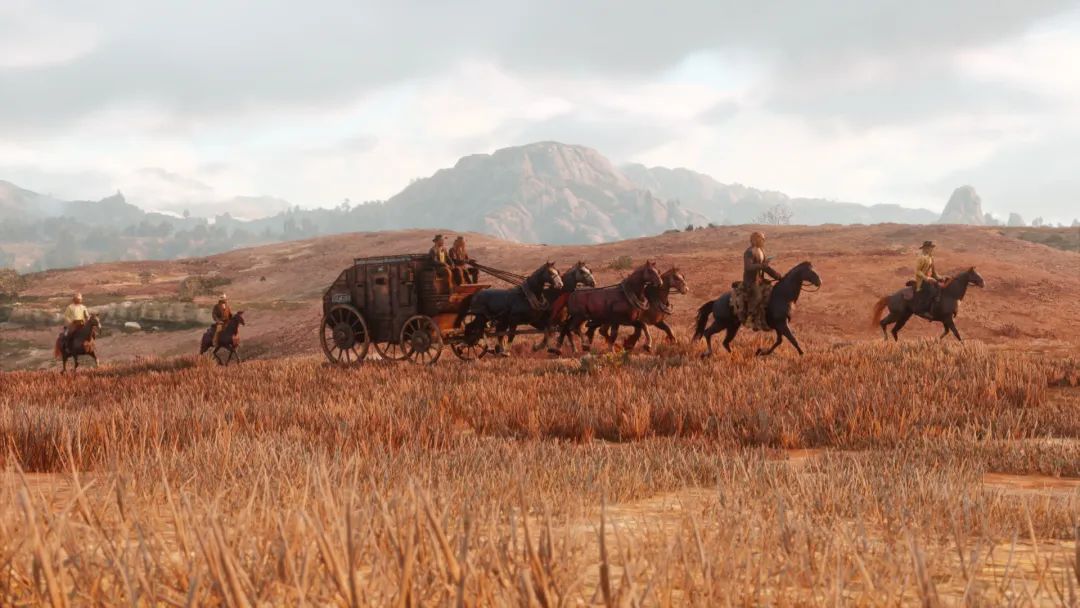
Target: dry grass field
(865,473)
(869,474)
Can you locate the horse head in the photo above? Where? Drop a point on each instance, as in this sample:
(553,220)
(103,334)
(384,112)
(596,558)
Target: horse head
(546,275)
(578,275)
(975,278)
(804,272)
(650,275)
(239,318)
(675,281)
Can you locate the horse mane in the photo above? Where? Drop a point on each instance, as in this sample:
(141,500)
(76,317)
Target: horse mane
(798,267)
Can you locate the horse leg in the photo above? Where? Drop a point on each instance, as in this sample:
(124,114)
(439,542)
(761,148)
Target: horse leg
(762,352)
(888,320)
(64,370)
(784,329)
(76,368)
(729,335)
(215,355)
(950,325)
(613,335)
(900,325)
(664,327)
(632,340)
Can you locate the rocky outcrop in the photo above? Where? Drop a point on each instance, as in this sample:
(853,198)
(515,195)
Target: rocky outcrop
(1015,220)
(542,193)
(964,207)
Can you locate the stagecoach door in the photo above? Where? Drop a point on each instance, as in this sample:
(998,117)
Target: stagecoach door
(390,299)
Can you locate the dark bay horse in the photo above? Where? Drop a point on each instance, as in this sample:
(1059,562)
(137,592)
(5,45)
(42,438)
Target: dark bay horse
(943,310)
(229,340)
(506,309)
(579,275)
(660,308)
(79,345)
(621,304)
(777,312)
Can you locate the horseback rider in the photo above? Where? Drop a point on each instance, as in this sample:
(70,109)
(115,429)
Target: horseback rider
(461,265)
(222,315)
(755,267)
(75,317)
(439,257)
(926,280)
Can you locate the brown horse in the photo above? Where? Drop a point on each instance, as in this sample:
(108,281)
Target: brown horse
(229,340)
(81,344)
(943,310)
(622,304)
(660,309)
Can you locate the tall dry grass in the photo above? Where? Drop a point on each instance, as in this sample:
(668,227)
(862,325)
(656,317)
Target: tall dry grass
(289,482)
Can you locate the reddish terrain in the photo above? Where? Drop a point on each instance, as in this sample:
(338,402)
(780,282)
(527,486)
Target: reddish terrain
(1031,295)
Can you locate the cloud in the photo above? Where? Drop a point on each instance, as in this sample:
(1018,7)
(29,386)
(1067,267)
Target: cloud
(881,101)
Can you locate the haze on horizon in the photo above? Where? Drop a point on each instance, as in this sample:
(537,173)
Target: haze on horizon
(874,102)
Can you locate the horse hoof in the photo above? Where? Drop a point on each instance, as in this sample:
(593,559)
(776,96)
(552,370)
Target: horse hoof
(554,352)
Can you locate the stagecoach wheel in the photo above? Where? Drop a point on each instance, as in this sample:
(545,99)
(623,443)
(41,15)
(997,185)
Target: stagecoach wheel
(470,347)
(392,351)
(345,338)
(422,340)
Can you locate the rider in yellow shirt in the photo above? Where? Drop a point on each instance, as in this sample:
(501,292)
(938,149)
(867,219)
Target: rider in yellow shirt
(75,316)
(926,279)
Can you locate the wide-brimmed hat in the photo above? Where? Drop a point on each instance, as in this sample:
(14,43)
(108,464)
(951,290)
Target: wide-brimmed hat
(928,245)
(223,298)
(459,239)
(438,237)
(77,297)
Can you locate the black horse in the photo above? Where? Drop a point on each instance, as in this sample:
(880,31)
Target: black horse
(229,340)
(777,312)
(506,309)
(943,310)
(79,345)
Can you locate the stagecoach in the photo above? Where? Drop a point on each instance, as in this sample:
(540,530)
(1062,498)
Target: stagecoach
(403,306)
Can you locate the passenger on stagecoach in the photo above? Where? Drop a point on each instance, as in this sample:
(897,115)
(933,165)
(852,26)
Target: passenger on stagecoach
(222,315)
(461,264)
(439,257)
(75,317)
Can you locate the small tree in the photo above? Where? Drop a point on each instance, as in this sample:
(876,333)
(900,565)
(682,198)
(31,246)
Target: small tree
(777,215)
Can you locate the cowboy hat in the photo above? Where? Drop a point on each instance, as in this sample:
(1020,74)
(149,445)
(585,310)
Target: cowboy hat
(223,298)
(927,245)
(438,237)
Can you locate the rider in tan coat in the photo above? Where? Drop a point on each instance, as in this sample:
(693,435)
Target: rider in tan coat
(755,267)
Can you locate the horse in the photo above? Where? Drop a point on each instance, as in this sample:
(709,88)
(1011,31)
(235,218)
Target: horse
(659,309)
(621,304)
(229,340)
(506,309)
(777,312)
(579,275)
(943,310)
(81,344)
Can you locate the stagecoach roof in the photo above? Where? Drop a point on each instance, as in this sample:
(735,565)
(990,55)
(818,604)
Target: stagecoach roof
(389,259)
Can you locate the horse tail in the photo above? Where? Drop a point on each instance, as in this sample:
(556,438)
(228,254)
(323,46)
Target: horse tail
(703,313)
(879,308)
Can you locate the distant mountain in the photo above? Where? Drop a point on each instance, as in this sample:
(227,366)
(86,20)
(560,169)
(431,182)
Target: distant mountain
(17,203)
(544,192)
(964,207)
(738,204)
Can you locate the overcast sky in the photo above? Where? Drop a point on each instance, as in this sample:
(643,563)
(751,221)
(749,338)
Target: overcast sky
(895,101)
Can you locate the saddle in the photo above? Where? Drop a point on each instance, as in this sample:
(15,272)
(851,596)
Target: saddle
(740,305)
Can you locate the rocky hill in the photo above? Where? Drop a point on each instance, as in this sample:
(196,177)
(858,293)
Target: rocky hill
(738,204)
(964,207)
(542,193)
